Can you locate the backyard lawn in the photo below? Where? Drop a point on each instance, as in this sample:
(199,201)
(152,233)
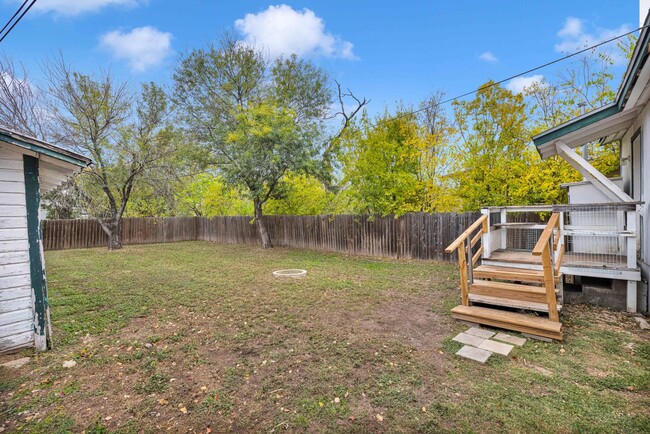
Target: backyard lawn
(199,336)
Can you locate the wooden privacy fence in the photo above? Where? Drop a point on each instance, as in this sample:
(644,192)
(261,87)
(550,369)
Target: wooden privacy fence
(414,235)
(84,233)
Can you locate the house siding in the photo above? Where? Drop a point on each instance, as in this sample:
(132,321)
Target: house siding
(16,315)
(640,161)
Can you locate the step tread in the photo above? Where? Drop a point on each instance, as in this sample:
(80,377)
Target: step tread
(509,317)
(518,287)
(509,286)
(510,273)
(509,302)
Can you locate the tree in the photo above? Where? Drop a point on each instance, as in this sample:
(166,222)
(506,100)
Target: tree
(436,156)
(300,195)
(381,164)
(207,195)
(493,159)
(260,119)
(21,102)
(127,138)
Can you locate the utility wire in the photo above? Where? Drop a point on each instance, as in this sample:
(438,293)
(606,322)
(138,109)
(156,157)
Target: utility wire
(14,16)
(552,62)
(17,20)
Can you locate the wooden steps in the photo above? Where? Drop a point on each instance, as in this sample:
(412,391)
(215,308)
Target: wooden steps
(510,302)
(509,320)
(509,273)
(536,294)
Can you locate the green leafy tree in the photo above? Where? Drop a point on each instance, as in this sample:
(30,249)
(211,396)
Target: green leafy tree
(301,194)
(126,136)
(493,160)
(208,195)
(259,119)
(381,165)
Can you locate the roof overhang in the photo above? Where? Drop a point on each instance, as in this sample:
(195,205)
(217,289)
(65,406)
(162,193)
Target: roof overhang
(606,124)
(43,148)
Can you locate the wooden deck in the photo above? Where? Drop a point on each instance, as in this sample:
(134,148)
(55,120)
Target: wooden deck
(590,260)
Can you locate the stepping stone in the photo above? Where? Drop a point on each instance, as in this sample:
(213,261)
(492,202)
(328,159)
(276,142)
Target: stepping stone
(18,363)
(496,347)
(481,333)
(474,353)
(466,339)
(514,340)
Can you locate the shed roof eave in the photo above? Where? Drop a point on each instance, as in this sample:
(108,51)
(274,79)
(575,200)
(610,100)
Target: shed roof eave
(555,133)
(35,145)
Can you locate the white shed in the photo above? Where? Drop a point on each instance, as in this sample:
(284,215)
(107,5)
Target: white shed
(28,168)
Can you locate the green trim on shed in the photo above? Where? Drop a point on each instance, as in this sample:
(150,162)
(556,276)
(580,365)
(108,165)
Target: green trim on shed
(575,124)
(44,150)
(36,266)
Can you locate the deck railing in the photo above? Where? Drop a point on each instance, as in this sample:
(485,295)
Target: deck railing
(593,236)
(549,248)
(467,257)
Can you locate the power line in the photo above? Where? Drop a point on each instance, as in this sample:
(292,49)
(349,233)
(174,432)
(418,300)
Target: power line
(14,16)
(17,20)
(405,114)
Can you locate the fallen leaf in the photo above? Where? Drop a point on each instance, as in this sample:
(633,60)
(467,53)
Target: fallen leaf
(183,410)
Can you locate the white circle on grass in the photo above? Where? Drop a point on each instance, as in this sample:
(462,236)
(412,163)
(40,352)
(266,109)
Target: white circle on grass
(292,272)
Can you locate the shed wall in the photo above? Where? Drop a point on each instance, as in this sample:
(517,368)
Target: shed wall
(16,315)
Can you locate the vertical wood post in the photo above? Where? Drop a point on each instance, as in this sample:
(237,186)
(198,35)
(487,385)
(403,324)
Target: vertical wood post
(462,262)
(549,284)
(485,240)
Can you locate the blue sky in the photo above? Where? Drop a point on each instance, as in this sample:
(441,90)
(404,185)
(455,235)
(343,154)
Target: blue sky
(386,51)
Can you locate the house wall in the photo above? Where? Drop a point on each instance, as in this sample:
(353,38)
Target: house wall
(639,160)
(16,314)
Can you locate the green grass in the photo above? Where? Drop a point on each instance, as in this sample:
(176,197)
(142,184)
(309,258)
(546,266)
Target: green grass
(197,335)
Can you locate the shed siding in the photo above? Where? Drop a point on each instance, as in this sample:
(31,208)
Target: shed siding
(16,315)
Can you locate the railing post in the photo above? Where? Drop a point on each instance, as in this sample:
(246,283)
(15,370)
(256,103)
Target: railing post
(549,284)
(462,263)
(485,240)
(470,263)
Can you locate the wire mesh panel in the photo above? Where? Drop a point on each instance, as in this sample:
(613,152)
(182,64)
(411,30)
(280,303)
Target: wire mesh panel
(596,235)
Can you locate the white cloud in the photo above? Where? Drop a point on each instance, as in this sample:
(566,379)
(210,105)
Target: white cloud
(488,57)
(519,84)
(575,36)
(283,30)
(142,47)
(76,7)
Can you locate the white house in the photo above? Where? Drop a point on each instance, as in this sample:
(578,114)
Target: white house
(28,168)
(595,249)
(626,119)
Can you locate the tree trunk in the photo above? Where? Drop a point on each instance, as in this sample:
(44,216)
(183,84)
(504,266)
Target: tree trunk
(113,229)
(115,237)
(261,227)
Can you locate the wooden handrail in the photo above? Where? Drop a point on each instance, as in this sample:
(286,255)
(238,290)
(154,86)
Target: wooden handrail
(482,221)
(466,260)
(542,243)
(545,248)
